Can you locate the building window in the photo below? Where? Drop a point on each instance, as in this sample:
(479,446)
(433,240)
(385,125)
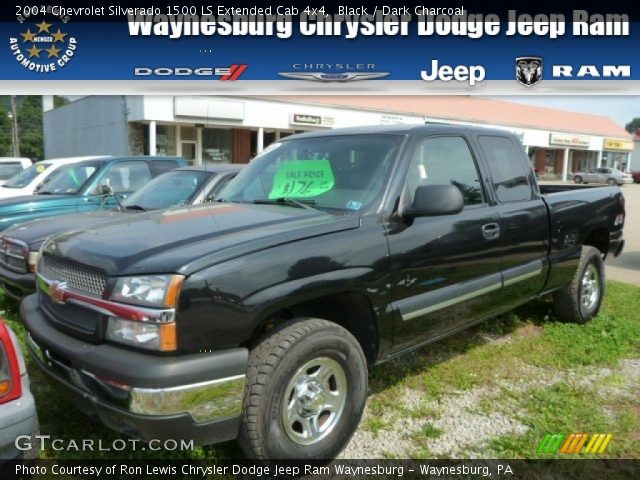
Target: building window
(165,140)
(216,145)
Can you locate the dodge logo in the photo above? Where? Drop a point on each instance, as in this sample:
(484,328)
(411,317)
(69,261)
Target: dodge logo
(56,291)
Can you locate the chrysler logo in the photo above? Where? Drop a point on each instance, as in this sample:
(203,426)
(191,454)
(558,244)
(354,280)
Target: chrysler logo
(333,76)
(56,291)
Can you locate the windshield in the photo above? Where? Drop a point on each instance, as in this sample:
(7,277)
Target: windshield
(178,187)
(69,180)
(346,172)
(8,170)
(25,177)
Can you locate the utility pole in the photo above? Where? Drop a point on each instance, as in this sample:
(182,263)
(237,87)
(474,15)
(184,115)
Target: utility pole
(14,128)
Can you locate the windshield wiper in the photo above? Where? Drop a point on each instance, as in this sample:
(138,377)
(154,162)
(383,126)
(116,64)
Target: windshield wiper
(292,202)
(135,207)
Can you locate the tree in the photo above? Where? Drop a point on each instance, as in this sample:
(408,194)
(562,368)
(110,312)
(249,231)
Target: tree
(633,125)
(29,125)
(5,132)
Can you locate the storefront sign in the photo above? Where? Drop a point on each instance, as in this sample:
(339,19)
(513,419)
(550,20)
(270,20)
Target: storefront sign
(207,107)
(617,144)
(317,120)
(569,140)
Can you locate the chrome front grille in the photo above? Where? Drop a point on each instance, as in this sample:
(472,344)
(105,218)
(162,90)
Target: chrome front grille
(13,254)
(77,277)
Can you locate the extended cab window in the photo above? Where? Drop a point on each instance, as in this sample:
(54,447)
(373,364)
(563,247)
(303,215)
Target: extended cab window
(127,176)
(446,161)
(163,166)
(510,174)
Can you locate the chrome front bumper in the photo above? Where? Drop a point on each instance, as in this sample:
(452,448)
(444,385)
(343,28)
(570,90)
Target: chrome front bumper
(203,402)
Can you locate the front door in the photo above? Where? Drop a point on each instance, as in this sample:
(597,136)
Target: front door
(189,151)
(445,270)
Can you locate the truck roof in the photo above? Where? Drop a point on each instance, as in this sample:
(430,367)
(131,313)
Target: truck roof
(400,130)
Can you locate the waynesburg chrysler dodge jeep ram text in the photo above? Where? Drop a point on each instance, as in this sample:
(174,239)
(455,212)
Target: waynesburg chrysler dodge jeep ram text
(258,317)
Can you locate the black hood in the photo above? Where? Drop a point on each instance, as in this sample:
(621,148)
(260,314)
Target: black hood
(184,240)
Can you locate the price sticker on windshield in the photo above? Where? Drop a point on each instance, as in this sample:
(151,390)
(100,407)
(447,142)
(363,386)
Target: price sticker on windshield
(302,179)
(40,168)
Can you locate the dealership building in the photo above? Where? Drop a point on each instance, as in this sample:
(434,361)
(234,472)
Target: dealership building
(233,129)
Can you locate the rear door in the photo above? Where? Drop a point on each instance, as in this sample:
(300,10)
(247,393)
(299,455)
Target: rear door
(523,219)
(445,270)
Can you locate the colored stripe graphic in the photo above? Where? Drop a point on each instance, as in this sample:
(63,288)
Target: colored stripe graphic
(574,443)
(235,71)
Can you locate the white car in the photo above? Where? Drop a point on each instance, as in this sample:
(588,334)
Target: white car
(26,182)
(10,166)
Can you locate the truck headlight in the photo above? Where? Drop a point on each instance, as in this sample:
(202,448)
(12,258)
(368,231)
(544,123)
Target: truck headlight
(152,336)
(149,290)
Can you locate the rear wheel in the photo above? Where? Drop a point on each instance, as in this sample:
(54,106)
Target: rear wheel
(577,179)
(306,390)
(612,182)
(580,301)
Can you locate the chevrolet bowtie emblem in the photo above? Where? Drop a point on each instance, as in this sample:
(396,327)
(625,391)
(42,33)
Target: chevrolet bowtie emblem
(56,291)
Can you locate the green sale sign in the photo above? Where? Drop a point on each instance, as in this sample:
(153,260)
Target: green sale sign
(302,179)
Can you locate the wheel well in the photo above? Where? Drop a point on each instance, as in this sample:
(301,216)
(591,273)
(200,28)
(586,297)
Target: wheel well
(353,311)
(598,238)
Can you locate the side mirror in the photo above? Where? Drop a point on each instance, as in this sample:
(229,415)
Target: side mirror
(434,200)
(105,189)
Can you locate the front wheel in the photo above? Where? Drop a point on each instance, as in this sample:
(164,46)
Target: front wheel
(306,390)
(577,179)
(580,301)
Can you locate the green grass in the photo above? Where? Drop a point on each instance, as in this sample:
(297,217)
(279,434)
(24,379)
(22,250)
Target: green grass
(537,346)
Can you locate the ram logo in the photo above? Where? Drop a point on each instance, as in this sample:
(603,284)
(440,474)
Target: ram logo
(592,71)
(528,70)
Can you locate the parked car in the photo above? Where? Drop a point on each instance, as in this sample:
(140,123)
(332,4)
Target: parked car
(17,407)
(258,317)
(19,244)
(636,176)
(28,180)
(77,187)
(9,166)
(610,176)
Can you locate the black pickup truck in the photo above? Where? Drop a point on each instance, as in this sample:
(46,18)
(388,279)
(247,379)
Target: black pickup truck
(258,317)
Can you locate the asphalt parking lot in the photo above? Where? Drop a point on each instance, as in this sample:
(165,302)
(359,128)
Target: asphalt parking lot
(626,268)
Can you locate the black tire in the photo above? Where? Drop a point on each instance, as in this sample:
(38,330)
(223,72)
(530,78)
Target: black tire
(612,182)
(577,179)
(274,364)
(579,301)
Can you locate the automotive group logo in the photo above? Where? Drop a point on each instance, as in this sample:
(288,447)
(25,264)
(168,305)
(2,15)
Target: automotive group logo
(333,72)
(43,46)
(528,70)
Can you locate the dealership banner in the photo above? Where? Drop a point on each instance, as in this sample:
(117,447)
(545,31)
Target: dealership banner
(409,48)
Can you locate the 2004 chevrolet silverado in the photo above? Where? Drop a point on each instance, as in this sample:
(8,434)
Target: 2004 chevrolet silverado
(257,318)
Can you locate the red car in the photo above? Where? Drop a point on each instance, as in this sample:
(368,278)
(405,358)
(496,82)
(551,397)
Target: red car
(636,176)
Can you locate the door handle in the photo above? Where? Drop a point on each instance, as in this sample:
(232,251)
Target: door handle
(491,231)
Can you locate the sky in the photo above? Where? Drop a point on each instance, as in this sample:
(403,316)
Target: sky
(621,108)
